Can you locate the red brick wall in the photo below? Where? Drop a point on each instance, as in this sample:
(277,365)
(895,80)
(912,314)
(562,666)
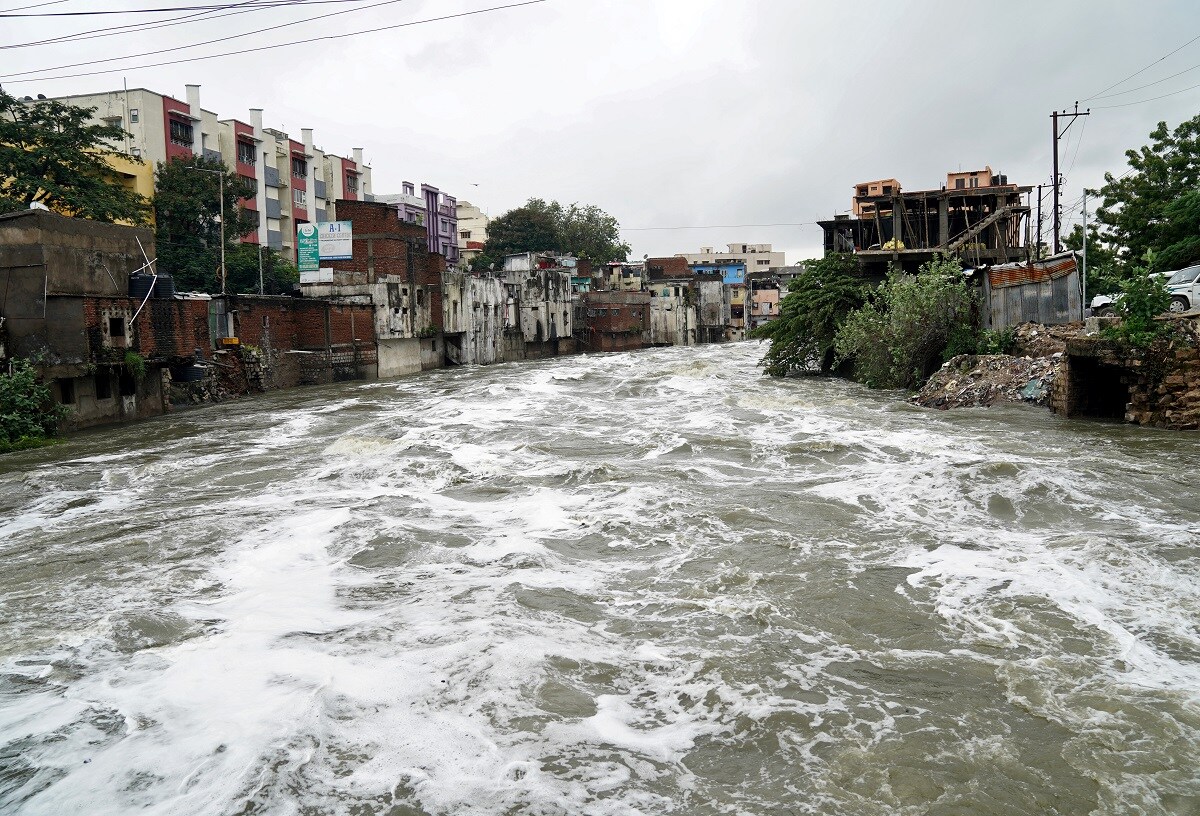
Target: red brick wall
(673,267)
(165,328)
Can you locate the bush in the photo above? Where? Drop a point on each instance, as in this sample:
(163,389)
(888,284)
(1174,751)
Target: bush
(1143,298)
(817,301)
(910,326)
(997,342)
(27,413)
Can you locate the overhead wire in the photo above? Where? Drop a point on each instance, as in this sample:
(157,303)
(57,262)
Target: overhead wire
(1143,70)
(133,28)
(218,7)
(306,41)
(1148,84)
(1151,99)
(35,5)
(205,42)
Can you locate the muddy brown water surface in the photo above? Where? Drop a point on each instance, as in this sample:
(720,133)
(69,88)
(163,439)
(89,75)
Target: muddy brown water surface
(617,584)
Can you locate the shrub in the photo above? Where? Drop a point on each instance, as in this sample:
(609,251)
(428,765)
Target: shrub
(1143,297)
(817,301)
(136,365)
(910,326)
(27,413)
(997,342)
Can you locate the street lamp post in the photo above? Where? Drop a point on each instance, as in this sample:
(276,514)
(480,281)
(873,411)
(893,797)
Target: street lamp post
(220,174)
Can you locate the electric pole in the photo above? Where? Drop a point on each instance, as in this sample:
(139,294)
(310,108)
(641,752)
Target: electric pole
(1037,246)
(1054,117)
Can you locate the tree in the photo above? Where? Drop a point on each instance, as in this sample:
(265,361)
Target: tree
(584,231)
(241,264)
(910,326)
(187,207)
(50,154)
(816,303)
(1104,272)
(1151,205)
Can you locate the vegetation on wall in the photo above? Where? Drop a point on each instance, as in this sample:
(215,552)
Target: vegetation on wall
(53,154)
(909,326)
(1143,297)
(810,314)
(28,414)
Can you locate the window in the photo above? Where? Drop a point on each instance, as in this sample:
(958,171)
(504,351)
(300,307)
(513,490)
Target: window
(249,181)
(974,181)
(352,182)
(299,167)
(246,153)
(887,189)
(420,297)
(66,391)
(181,132)
(103,385)
(137,152)
(133,116)
(959,183)
(116,331)
(113,121)
(126,383)
(764,262)
(298,197)
(464,234)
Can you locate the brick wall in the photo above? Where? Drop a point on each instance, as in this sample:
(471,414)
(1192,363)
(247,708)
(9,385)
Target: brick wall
(383,244)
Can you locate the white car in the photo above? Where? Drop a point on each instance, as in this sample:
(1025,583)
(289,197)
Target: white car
(1183,286)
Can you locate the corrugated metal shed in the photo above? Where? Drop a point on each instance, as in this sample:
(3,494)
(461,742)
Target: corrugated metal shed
(1046,291)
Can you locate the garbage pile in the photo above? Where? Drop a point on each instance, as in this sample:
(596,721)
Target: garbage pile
(980,380)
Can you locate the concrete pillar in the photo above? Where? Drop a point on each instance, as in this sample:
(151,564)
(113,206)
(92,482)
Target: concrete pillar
(943,220)
(306,135)
(261,172)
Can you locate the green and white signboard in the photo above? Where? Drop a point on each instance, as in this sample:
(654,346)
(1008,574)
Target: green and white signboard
(308,248)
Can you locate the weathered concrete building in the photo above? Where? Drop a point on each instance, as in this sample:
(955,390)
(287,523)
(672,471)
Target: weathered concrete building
(613,320)
(478,316)
(393,272)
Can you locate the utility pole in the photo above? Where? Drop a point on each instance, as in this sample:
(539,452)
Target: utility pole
(260,279)
(1037,246)
(1054,117)
(1085,240)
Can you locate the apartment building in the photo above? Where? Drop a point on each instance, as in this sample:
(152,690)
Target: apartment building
(433,209)
(295,181)
(734,263)
(472,230)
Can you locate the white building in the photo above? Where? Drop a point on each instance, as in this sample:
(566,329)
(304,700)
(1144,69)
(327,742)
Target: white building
(472,230)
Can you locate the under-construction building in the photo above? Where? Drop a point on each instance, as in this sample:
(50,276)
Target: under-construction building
(977,216)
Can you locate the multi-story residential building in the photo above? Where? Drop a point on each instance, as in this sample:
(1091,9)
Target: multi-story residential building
(472,230)
(736,263)
(295,182)
(435,210)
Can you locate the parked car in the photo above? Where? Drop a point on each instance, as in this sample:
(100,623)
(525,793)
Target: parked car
(1183,286)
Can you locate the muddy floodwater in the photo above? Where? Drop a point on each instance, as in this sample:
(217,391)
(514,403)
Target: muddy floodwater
(642,583)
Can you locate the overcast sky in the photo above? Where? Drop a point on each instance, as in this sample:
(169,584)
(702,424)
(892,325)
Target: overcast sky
(709,114)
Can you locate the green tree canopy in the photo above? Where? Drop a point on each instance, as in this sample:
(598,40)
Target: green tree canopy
(1154,205)
(187,208)
(816,303)
(50,154)
(582,230)
(242,265)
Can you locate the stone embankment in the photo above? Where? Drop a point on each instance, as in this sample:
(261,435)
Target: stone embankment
(1076,371)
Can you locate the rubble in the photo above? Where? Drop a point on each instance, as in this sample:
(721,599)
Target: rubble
(980,380)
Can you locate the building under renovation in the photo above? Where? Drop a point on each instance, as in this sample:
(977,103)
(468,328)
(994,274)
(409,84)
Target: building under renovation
(977,216)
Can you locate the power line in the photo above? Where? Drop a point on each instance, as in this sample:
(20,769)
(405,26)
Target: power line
(375,30)
(131,28)
(1148,67)
(206,42)
(1151,99)
(1149,84)
(722,226)
(259,3)
(1074,156)
(35,5)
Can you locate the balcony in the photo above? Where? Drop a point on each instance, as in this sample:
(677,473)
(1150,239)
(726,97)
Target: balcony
(320,215)
(273,208)
(212,155)
(319,189)
(274,239)
(271,176)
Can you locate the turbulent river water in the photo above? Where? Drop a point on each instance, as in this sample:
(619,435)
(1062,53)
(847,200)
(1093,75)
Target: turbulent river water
(618,584)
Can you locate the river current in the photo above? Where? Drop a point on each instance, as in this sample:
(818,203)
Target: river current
(639,583)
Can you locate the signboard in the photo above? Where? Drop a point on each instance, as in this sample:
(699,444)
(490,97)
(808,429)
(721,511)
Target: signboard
(322,275)
(336,240)
(308,254)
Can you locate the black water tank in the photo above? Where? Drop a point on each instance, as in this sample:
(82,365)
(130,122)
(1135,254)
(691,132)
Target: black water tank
(165,287)
(139,285)
(188,373)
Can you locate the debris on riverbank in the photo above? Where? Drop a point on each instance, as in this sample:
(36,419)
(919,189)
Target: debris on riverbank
(980,380)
